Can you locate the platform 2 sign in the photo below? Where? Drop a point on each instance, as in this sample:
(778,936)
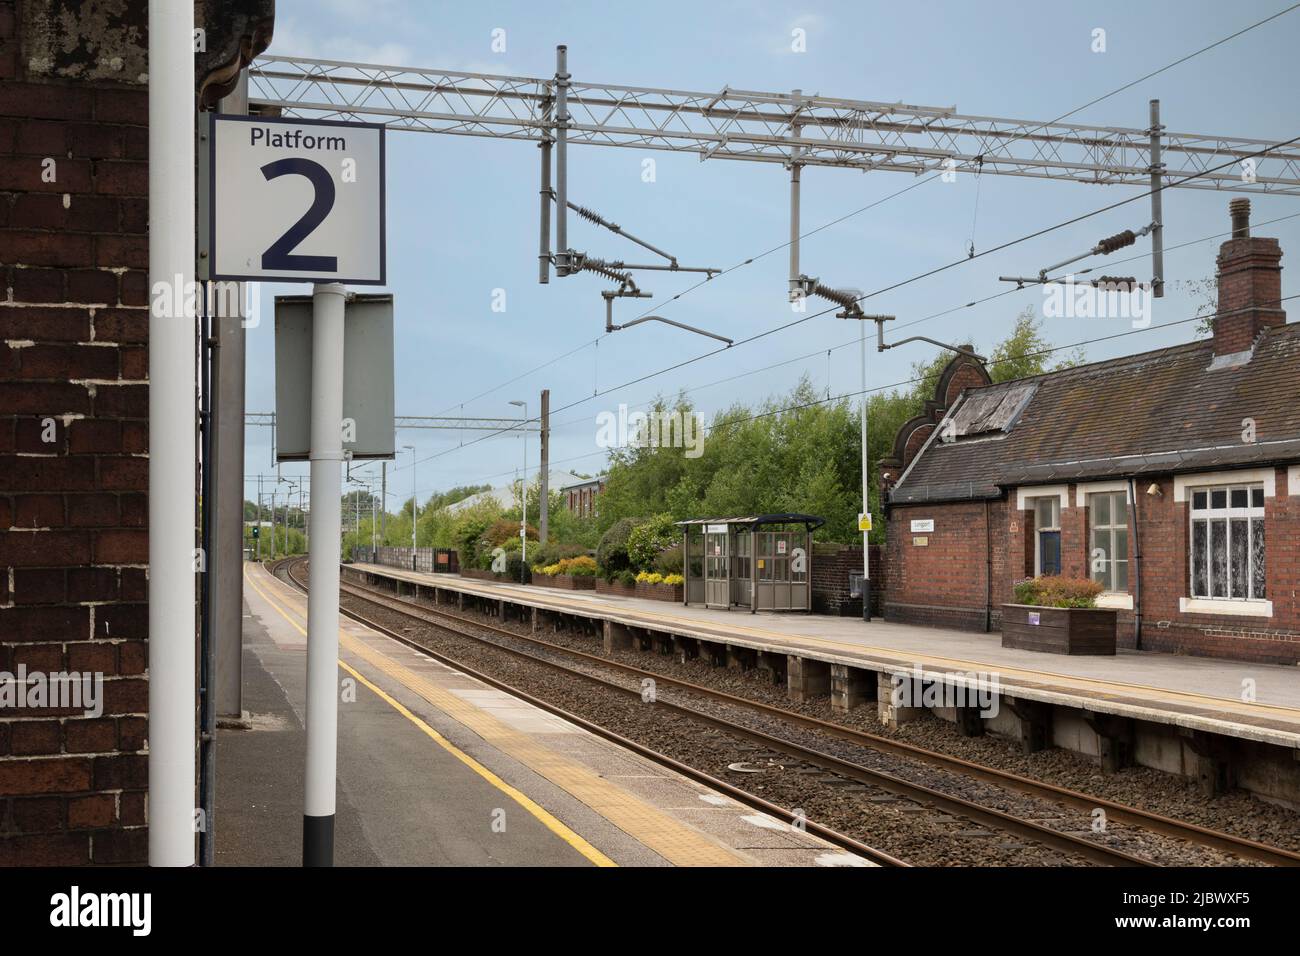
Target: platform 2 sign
(297,200)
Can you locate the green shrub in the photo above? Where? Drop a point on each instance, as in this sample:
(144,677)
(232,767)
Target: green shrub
(466,535)
(581,566)
(611,553)
(553,553)
(1057,591)
(646,540)
(517,570)
(627,578)
(506,529)
(669,561)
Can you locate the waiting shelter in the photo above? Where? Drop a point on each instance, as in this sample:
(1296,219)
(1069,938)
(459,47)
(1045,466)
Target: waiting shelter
(760,562)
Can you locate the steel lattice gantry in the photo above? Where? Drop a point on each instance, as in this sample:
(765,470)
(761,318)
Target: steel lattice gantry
(427,421)
(810,130)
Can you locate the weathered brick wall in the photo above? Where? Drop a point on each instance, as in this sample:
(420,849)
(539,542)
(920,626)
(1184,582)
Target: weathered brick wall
(942,583)
(1166,576)
(73,454)
(831,566)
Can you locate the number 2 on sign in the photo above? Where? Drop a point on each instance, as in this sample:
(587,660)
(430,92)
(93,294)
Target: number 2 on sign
(280,255)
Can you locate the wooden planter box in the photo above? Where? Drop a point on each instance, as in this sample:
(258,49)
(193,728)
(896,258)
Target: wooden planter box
(613,587)
(565,582)
(1059,630)
(480,574)
(659,592)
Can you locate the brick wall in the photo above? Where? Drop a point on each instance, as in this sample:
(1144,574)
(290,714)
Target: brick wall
(942,583)
(73,455)
(831,566)
(938,577)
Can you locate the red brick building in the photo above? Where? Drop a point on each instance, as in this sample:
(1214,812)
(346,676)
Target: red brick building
(580,498)
(1172,477)
(74,397)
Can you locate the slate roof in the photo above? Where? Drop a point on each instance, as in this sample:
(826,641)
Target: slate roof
(1155,413)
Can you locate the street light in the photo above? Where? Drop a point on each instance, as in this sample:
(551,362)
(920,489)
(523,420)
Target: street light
(288,498)
(411,449)
(852,311)
(523,494)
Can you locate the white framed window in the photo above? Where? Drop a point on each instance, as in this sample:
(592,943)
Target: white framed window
(1047,535)
(1108,539)
(1227,542)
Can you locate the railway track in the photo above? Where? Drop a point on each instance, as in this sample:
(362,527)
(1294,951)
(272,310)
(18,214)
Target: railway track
(831,836)
(1091,850)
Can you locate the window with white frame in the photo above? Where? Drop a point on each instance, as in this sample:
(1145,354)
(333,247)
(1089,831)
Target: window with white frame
(1227,542)
(1047,531)
(1108,533)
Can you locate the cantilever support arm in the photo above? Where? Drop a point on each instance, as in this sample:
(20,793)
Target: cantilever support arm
(672,265)
(881,345)
(660,318)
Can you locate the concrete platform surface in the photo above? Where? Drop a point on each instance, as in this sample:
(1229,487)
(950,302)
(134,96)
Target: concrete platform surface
(436,768)
(1195,693)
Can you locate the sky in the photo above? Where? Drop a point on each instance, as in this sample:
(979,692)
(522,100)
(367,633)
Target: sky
(462,211)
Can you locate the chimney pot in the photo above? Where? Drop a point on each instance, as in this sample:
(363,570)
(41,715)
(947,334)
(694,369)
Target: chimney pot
(1239,209)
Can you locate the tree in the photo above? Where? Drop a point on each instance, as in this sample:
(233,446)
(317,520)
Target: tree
(1022,353)
(1205,292)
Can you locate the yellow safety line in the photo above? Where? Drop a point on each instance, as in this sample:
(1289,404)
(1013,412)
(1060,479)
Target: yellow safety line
(546,819)
(677,843)
(1081,683)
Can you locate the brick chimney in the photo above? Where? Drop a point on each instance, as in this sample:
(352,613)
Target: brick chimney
(1250,285)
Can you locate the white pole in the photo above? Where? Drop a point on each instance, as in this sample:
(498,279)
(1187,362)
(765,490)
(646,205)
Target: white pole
(866,502)
(523,523)
(414,513)
(172,691)
(523,494)
(323,584)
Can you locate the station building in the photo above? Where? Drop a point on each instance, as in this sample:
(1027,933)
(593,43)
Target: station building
(1172,477)
(580,496)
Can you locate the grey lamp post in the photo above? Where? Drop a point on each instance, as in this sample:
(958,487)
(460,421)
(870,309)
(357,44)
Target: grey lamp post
(411,449)
(523,494)
(853,312)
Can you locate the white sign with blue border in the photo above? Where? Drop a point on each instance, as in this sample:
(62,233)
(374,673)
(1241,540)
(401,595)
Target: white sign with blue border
(297,200)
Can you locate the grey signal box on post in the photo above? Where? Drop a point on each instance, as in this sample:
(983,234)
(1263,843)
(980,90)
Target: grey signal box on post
(367,377)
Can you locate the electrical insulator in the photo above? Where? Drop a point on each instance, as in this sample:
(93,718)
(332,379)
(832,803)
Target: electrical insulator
(1117,241)
(600,267)
(591,216)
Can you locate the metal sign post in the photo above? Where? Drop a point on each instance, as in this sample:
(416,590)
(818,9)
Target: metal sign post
(323,575)
(303,201)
